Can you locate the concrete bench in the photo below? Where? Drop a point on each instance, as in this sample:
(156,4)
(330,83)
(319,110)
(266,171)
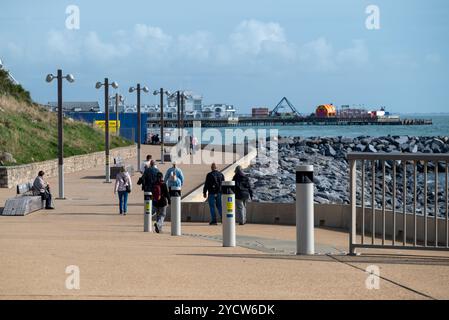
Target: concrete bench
(24,202)
(118,164)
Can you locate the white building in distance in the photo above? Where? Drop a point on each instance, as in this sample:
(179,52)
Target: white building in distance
(193,107)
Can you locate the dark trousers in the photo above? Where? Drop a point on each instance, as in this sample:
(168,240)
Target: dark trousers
(47,197)
(214,202)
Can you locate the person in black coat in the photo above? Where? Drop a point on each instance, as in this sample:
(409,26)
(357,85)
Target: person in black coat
(161,199)
(243,193)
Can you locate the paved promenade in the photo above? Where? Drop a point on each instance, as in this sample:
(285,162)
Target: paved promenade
(118,260)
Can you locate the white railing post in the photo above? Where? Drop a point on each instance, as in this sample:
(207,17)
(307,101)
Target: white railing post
(305,241)
(353,224)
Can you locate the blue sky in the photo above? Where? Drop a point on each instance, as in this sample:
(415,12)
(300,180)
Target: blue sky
(247,53)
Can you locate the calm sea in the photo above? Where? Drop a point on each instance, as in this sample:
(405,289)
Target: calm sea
(440,127)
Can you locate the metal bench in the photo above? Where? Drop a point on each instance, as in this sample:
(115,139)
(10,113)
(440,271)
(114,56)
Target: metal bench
(24,202)
(118,164)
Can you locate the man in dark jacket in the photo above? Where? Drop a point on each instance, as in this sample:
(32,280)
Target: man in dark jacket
(212,191)
(149,178)
(161,199)
(243,193)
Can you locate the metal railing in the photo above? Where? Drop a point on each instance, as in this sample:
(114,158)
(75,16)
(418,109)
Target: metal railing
(417,217)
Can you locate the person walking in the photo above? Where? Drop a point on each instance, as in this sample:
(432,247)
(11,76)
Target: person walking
(243,193)
(194,144)
(173,181)
(212,191)
(191,144)
(123,186)
(174,170)
(187,144)
(161,199)
(149,178)
(146,163)
(42,188)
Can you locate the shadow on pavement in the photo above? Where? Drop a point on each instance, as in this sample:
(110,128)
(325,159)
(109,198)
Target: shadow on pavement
(322,258)
(94,177)
(396,259)
(371,259)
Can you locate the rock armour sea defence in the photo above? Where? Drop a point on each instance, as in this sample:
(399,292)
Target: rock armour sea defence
(328,155)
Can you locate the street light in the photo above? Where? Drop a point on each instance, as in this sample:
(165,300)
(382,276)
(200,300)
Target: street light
(138,88)
(106,85)
(183,97)
(118,97)
(180,99)
(70,79)
(161,92)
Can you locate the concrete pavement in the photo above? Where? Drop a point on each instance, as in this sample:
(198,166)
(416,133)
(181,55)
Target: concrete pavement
(118,260)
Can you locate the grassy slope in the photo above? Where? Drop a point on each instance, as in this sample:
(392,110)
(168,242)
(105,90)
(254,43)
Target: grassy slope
(29,133)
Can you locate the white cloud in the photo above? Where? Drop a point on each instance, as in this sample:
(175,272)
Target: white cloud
(256,37)
(321,55)
(197,46)
(356,55)
(100,50)
(253,46)
(318,54)
(64,44)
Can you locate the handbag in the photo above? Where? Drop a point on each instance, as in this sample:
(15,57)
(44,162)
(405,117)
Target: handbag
(128,189)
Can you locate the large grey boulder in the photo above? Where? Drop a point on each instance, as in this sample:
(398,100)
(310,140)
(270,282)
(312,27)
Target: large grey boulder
(6,157)
(370,148)
(329,151)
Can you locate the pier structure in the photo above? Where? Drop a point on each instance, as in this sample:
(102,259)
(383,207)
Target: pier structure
(247,121)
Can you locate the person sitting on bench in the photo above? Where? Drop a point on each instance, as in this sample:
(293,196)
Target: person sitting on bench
(42,188)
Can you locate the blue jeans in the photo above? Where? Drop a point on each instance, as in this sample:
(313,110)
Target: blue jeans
(123,201)
(214,201)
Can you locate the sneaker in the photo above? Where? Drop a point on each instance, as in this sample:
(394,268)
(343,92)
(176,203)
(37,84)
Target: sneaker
(49,208)
(213,223)
(124,213)
(156,228)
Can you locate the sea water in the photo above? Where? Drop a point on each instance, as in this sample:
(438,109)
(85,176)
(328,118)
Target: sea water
(439,127)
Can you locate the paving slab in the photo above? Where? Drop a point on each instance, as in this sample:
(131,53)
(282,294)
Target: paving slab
(118,260)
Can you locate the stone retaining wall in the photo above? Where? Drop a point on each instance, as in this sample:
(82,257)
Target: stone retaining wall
(10,176)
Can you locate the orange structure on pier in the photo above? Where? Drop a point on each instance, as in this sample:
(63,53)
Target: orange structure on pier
(326,111)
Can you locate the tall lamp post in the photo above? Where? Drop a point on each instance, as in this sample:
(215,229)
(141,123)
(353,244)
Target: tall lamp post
(106,85)
(118,97)
(138,88)
(161,93)
(178,105)
(183,97)
(69,78)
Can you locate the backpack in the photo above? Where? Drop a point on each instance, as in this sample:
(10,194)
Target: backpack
(125,180)
(157,192)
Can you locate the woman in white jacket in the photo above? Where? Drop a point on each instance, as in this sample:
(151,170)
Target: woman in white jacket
(123,186)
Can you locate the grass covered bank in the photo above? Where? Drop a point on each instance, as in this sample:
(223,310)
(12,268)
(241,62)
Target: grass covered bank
(29,133)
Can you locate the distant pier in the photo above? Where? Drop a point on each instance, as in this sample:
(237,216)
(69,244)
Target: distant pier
(279,121)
